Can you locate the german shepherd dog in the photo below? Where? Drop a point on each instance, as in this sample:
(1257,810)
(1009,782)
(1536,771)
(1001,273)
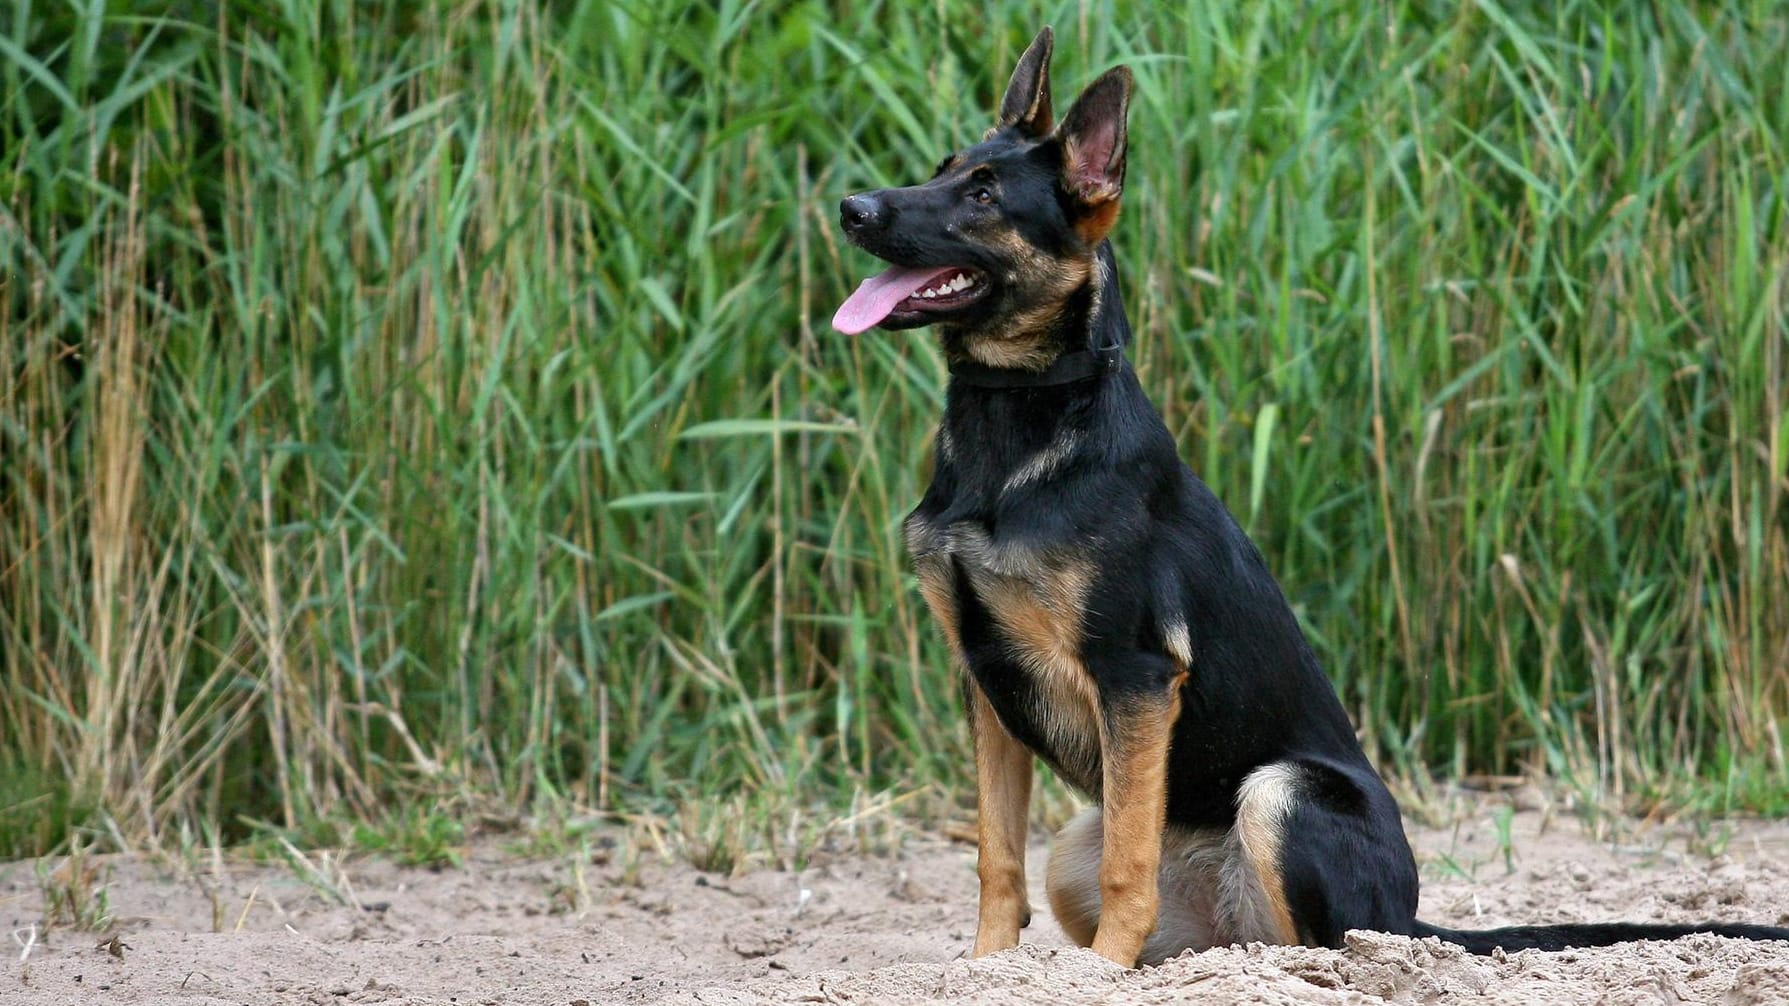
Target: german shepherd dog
(1108,614)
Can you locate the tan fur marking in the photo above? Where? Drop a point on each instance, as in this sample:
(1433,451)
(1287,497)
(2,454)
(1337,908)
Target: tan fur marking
(1040,616)
(1097,221)
(1134,808)
(1262,803)
(1023,339)
(932,564)
(1003,801)
(1029,354)
(941,599)
(1057,280)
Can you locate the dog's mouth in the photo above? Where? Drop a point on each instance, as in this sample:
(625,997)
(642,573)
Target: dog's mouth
(907,294)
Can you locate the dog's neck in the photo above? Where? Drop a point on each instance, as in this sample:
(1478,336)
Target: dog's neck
(1106,324)
(998,421)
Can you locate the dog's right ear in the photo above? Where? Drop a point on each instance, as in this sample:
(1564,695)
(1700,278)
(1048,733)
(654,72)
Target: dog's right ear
(1027,101)
(1093,136)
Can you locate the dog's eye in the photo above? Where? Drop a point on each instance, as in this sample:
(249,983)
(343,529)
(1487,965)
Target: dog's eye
(982,196)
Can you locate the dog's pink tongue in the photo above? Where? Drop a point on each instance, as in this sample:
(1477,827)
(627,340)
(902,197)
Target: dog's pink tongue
(877,296)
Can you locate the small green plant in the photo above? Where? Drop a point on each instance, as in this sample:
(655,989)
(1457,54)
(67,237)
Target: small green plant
(74,891)
(266,842)
(1709,838)
(414,837)
(571,893)
(1503,820)
(557,830)
(322,870)
(1446,865)
(715,836)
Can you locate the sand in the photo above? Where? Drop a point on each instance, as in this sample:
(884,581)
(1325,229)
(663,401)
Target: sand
(611,928)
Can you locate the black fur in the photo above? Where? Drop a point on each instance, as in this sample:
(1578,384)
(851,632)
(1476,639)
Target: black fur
(1162,551)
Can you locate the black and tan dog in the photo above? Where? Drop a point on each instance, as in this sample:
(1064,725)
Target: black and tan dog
(1108,613)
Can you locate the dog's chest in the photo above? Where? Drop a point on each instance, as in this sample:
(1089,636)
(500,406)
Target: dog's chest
(1014,617)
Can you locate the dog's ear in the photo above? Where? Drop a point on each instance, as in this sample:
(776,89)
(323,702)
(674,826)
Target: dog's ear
(1027,101)
(1093,146)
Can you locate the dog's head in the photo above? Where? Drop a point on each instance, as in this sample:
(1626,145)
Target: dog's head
(994,246)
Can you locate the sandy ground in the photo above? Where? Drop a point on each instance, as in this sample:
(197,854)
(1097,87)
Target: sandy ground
(893,929)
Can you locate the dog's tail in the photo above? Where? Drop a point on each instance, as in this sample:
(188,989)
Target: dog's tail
(1589,934)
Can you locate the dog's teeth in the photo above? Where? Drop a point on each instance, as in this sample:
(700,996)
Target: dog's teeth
(955,284)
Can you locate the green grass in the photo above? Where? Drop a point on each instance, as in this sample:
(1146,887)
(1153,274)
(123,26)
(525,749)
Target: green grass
(414,837)
(433,405)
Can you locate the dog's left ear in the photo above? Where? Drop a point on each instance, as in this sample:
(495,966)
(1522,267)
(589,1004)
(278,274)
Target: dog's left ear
(1027,100)
(1093,147)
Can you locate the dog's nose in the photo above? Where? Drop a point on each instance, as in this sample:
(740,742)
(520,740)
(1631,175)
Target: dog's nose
(862,212)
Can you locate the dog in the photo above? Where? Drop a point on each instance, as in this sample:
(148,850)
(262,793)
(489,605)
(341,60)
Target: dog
(1106,612)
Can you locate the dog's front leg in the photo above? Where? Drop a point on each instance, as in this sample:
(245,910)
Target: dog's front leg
(1135,731)
(1003,802)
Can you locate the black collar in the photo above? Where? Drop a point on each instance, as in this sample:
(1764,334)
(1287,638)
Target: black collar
(1068,368)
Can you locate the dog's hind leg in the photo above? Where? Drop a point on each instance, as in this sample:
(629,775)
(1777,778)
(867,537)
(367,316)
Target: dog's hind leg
(1316,850)
(1186,885)
(1314,853)
(1072,878)
(1214,887)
